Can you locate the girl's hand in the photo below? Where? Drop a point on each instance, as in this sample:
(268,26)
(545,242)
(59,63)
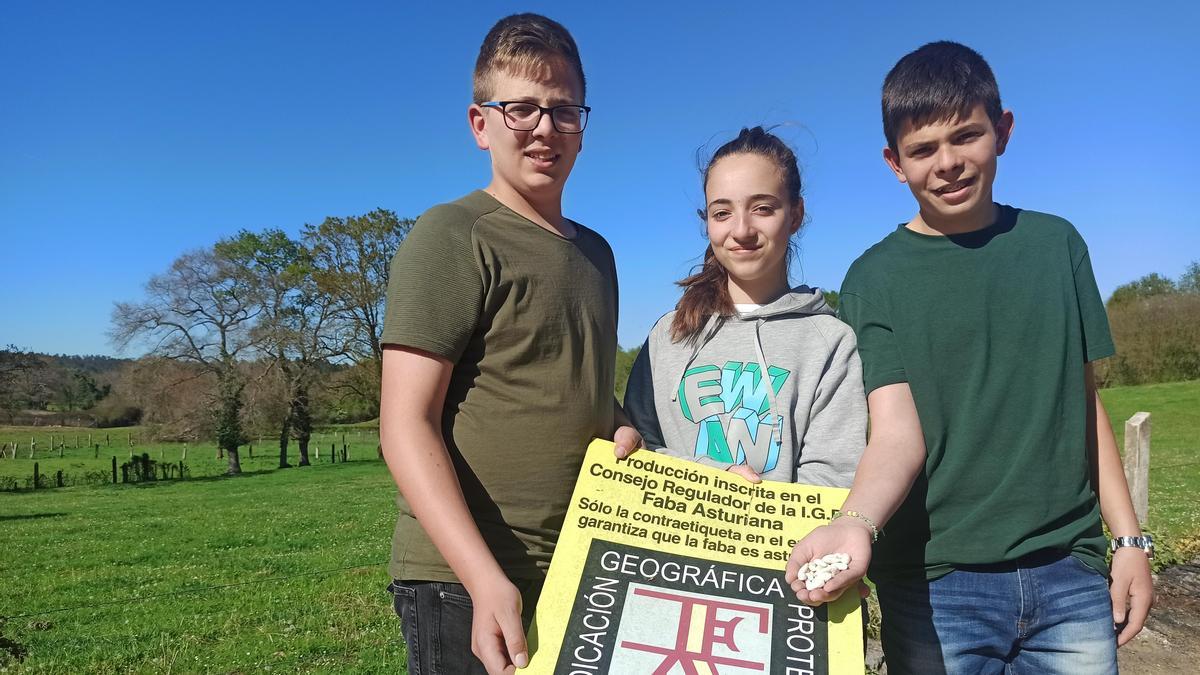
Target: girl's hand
(746,472)
(625,441)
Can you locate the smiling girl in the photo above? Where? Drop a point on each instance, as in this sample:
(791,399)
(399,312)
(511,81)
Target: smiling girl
(748,373)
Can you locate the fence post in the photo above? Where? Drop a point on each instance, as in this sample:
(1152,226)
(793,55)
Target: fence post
(35,475)
(1137,462)
(332,453)
(58,478)
(114,467)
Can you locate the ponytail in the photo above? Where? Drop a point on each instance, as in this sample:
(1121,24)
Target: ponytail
(705,293)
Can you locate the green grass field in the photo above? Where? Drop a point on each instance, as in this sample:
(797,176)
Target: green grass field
(81,462)
(1174,458)
(283,570)
(278,571)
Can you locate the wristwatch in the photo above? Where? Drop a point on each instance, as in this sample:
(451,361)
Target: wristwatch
(1144,542)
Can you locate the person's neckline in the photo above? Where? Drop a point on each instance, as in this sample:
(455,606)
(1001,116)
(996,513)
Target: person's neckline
(1005,215)
(553,233)
(931,231)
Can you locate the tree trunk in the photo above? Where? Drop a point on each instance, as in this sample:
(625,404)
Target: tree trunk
(235,463)
(285,432)
(302,421)
(229,426)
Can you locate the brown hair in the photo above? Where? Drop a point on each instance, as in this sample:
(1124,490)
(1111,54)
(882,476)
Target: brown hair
(706,292)
(941,81)
(524,44)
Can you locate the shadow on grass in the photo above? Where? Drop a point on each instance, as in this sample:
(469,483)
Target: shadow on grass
(31,516)
(251,473)
(199,479)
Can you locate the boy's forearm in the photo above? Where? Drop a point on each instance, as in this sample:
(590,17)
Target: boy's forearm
(884,477)
(894,455)
(410,409)
(1116,506)
(418,460)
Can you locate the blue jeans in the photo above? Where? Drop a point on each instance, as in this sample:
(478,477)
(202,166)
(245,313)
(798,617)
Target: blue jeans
(1041,614)
(435,618)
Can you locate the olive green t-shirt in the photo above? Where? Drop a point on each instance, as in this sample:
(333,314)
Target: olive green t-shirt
(529,319)
(991,330)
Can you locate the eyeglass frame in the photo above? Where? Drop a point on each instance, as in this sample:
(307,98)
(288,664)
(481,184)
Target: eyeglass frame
(542,111)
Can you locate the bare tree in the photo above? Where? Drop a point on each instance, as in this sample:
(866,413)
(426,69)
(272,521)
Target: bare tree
(351,257)
(199,311)
(297,327)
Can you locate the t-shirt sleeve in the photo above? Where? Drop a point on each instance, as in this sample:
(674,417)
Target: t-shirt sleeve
(435,287)
(877,346)
(1097,339)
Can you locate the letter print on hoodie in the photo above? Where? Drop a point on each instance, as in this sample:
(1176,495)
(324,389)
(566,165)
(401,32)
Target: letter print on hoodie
(778,388)
(731,406)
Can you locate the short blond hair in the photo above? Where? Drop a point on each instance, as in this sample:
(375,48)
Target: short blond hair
(526,44)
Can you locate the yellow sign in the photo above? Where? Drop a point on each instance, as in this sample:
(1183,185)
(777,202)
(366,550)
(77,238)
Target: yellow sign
(669,567)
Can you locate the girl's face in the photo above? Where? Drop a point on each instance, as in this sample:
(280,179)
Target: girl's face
(750,220)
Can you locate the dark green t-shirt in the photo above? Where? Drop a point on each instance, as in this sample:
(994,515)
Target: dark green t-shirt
(992,331)
(530,321)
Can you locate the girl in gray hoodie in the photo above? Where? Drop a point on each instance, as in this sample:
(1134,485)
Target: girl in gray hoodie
(747,373)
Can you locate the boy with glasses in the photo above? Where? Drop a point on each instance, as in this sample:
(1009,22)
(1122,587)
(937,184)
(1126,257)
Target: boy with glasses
(500,342)
(991,457)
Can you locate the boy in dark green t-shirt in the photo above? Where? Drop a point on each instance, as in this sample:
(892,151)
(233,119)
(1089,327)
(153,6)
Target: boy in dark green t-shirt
(991,457)
(498,366)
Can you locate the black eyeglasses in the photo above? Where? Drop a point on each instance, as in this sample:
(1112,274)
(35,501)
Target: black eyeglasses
(525,116)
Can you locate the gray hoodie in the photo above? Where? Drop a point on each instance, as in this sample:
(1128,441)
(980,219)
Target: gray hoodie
(707,399)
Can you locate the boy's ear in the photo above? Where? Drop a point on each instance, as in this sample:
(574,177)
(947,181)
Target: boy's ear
(892,159)
(477,118)
(1004,128)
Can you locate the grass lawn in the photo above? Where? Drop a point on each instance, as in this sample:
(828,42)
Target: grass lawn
(1174,410)
(283,570)
(279,571)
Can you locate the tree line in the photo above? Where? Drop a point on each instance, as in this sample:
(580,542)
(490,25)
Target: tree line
(1155,323)
(259,328)
(264,334)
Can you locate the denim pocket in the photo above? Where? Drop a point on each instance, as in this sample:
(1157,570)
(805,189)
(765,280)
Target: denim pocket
(1080,565)
(454,594)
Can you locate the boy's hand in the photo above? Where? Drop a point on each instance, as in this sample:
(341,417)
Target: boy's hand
(497,635)
(1132,592)
(746,472)
(844,535)
(625,441)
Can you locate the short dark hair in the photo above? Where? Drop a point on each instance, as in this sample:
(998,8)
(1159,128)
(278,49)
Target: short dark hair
(938,82)
(525,44)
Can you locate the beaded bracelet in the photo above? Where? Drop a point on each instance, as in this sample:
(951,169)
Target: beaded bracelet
(870,523)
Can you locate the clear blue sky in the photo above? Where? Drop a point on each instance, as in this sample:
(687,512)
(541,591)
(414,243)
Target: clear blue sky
(133,131)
